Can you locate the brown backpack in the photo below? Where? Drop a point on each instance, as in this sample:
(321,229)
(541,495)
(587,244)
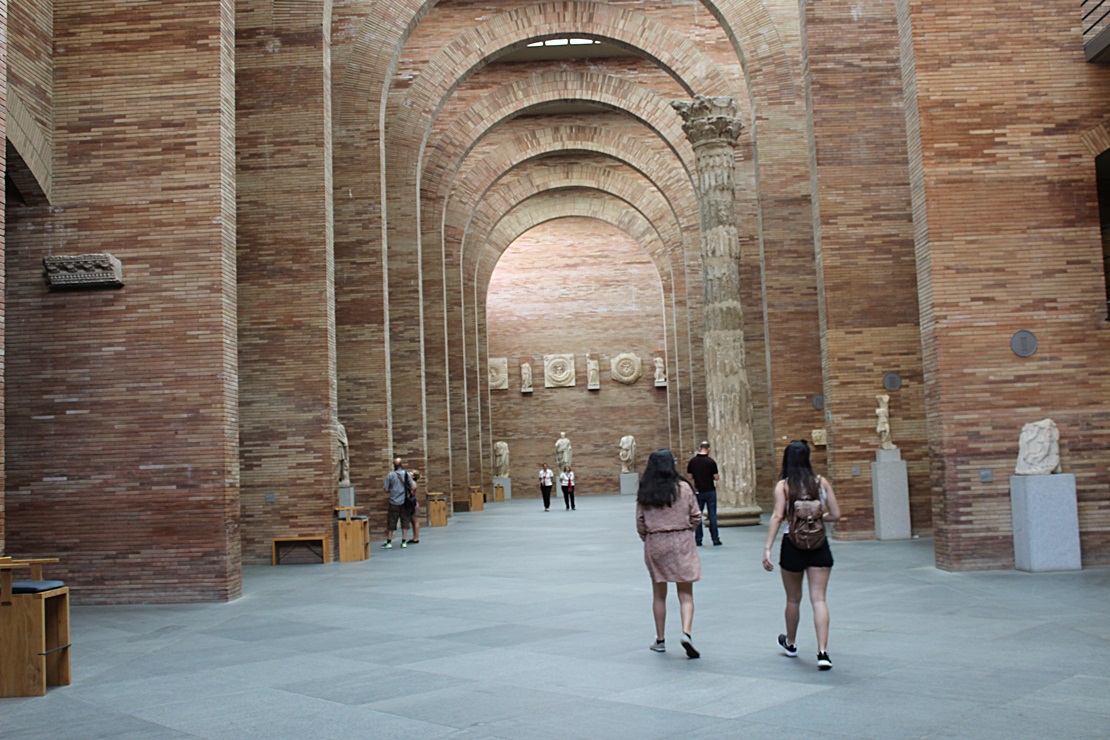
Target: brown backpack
(807,528)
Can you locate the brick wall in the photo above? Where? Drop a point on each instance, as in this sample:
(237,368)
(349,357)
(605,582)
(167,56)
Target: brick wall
(555,291)
(121,404)
(1005,212)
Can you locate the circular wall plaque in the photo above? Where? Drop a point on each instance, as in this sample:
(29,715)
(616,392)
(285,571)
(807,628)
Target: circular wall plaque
(819,401)
(892,381)
(1023,343)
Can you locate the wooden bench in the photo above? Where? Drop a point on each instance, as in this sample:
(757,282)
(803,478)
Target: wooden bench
(34,630)
(324,551)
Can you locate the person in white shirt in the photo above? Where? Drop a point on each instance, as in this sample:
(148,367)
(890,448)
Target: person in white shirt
(566,481)
(547,476)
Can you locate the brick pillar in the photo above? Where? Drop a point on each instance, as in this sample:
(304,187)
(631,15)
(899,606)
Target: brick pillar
(3,225)
(712,127)
(288,388)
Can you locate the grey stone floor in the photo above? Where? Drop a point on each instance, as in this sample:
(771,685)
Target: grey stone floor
(515,623)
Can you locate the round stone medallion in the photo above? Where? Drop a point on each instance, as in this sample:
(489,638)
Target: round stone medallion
(626,368)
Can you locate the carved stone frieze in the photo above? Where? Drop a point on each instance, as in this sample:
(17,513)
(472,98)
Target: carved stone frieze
(83,271)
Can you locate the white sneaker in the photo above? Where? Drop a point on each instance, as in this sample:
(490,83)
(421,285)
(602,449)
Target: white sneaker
(388,545)
(658,646)
(404,544)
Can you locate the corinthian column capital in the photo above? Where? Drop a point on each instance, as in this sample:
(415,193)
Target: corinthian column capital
(709,119)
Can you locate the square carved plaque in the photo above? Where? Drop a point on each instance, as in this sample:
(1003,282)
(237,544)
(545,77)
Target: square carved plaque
(558,371)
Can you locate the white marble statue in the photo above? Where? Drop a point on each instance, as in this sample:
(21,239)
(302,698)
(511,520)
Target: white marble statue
(526,378)
(628,454)
(1039,449)
(562,452)
(882,424)
(344,456)
(660,373)
(593,374)
(501,460)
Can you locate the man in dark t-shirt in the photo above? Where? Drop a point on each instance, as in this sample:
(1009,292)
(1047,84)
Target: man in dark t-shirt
(703,469)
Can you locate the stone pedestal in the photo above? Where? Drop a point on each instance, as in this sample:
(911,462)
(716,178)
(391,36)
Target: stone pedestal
(507,484)
(1045,521)
(630,483)
(346,496)
(890,495)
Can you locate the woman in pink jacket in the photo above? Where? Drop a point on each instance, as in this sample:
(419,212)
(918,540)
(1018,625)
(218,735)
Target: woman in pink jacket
(666,515)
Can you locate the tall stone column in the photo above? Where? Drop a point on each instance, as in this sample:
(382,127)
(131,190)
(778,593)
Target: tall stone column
(712,127)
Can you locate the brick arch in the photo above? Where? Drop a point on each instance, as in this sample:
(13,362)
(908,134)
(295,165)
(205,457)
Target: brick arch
(526,183)
(532,212)
(664,248)
(621,148)
(426,245)
(388,24)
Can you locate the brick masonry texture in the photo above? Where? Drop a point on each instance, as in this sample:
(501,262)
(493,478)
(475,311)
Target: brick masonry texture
(332,210)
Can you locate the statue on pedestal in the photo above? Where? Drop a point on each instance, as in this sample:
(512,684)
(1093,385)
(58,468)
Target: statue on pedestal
(526,378)
(501,460)
(660,373)
(562,451)
(593,374)
(882,425)
(1039,449)
(628,454)
(344,456)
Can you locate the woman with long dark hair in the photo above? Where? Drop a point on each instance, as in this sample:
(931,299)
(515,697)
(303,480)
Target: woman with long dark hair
(806,501)
(666,514)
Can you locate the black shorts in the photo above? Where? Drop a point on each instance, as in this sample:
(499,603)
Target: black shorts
(796,561)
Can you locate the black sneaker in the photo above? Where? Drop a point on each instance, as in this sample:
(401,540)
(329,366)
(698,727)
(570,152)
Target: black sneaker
(717,543)
(688,646)
(790,650)
(824,663)
(698,544)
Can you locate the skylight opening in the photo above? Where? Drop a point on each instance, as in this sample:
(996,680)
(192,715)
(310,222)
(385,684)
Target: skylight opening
(564,42)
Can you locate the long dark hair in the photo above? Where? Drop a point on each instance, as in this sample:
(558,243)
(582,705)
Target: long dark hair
(659,483)
(801,481)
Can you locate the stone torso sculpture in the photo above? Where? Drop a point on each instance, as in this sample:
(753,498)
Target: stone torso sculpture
(501,459)
(593,374)
(882,424)
(562,451)
(344,456)
(628,454)
(1038,449)
(660,372)
(526,377)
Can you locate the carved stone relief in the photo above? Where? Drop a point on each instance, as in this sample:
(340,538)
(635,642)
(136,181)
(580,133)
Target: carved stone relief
(498,373)
(628,454)
(626,368)
(593,374)
(1039,449)
(526,378)
(501,459)
(558,371)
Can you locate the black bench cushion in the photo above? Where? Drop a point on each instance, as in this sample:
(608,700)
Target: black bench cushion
(35,587)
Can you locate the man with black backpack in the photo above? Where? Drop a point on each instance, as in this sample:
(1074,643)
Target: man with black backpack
(402,503)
